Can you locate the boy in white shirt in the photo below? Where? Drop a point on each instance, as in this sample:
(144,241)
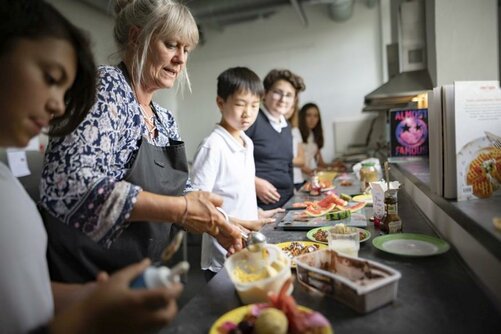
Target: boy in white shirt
(224,162)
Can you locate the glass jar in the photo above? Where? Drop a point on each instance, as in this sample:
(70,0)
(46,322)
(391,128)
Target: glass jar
(391,222)
(315,186)
(368,174)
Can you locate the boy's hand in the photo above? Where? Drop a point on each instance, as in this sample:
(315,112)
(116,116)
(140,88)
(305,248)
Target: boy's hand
(269,213)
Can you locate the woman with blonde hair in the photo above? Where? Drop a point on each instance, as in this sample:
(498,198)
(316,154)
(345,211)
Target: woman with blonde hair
(112,190)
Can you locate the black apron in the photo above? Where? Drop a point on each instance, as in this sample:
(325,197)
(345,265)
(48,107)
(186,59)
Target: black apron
(74,257)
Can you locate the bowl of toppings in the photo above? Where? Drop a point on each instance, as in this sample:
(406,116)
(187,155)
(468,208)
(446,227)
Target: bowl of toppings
(362,284)
(280,315)
(320,234)
(256,273)
(295,248)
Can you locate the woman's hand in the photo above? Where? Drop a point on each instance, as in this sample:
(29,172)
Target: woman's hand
(115,308)
(266,192)
(203,217)
(195,212)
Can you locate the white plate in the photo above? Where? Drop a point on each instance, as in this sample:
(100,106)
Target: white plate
(410,244)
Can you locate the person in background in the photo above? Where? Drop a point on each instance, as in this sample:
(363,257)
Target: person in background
(297,146)
(47,77)
(272,139)
(224,162)
(310,126)
(111,190)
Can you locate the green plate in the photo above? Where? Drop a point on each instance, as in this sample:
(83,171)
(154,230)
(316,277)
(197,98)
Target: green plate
(410,244)
(310,234)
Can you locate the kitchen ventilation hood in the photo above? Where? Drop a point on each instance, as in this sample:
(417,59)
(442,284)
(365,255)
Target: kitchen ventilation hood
(406,61)
(399,91)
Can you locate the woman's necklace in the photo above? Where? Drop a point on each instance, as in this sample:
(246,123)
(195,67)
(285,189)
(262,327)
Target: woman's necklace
(150,123)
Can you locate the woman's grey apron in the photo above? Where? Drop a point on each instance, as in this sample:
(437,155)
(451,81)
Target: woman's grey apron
(74,257)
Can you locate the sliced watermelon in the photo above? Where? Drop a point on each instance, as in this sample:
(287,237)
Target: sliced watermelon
(317,211)
(332,198)
(356,207)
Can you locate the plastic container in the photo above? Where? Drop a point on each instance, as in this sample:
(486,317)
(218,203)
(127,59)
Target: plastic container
(362,284)
(253,278)
(368,174)
(159,277)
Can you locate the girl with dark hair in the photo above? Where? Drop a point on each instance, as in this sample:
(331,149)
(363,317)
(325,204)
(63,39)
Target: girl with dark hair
(47,79)
(310,126)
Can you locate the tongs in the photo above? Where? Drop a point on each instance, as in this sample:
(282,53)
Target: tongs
(253,240)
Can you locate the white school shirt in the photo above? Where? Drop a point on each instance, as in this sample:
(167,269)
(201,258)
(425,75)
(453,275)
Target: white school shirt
(296,140)
(310,149)
(276,124)
(225,167)
(25,293)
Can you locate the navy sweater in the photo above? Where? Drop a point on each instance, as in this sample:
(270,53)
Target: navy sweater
(273,157)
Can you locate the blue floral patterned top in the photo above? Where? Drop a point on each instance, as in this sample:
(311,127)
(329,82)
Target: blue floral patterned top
(83,175)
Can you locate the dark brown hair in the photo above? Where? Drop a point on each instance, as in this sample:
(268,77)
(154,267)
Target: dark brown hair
(29,19)
(275,75)
(318,133)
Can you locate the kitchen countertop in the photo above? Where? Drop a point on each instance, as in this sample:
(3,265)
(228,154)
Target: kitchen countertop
(436,294)
(475,216)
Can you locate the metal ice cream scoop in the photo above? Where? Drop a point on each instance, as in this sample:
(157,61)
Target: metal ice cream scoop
(254,240)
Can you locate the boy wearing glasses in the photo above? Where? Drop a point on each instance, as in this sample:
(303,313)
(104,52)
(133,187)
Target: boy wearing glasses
(272,138)
(224,162)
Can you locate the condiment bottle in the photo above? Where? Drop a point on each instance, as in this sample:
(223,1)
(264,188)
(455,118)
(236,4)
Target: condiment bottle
(315,186)
(368,174)
(391,222)
(159,277)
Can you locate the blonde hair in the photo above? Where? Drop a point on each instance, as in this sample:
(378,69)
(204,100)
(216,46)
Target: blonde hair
(164,19)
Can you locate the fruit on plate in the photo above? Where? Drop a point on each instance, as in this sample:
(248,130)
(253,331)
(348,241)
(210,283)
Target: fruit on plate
(316,210)
(332,198)
(331,203)
(345,197)
(356,207)
(271,321)
(324,184)
(297,318)
(337,215)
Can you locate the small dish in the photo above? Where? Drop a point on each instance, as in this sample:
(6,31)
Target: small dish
(365,198)
(410,244)
(284,246)
(364,234)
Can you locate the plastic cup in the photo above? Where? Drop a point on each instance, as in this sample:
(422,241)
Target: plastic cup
(344,243)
